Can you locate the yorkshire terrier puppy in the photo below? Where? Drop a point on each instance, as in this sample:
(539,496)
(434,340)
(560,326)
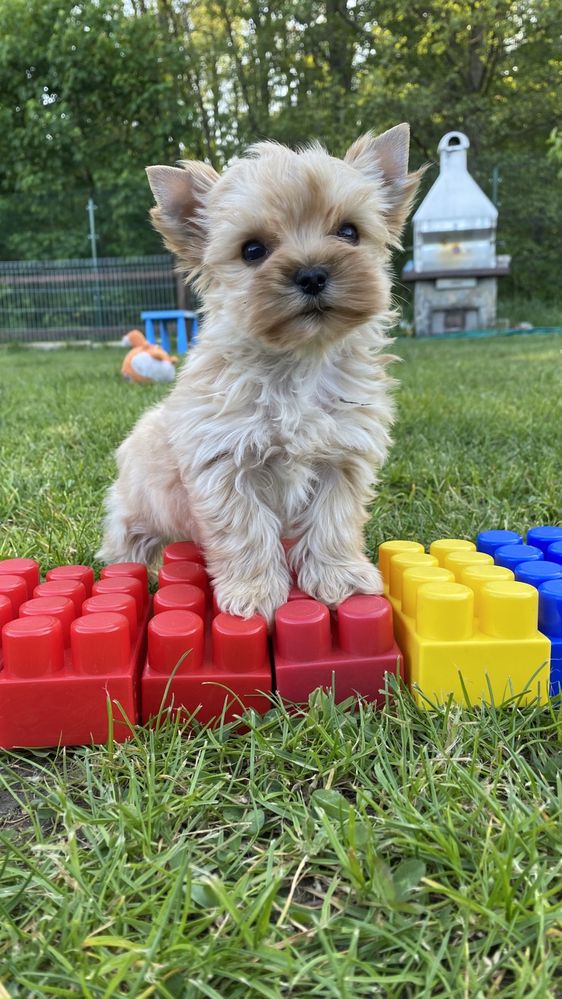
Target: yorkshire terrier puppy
(281,415)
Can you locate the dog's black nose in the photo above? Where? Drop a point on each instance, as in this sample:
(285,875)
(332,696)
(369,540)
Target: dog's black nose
(312,280)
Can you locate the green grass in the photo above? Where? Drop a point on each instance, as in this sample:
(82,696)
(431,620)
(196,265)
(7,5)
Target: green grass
(394,853)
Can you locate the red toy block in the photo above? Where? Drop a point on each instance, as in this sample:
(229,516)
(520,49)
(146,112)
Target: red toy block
(6,612)
(123,584)
(224,665)
(70,588)
(80,573)
(128,569)
(60,607)
(180,596)
(114,603)
(350,649)
(64,657)
(26,568)
(191,573)
(297,594)
(14,588)
(183,551)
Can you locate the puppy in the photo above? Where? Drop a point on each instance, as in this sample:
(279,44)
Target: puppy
(281,414)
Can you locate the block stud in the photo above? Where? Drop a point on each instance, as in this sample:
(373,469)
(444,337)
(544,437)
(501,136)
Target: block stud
(402,561)
(538,572)
(70,588)
(80,573)
(303,630)
(239,644)
(136,569)
(511,555)
(476,576)
(550,608)
(509,610)
(445,611)
(175,636)
(457,560)
(33,647)
(192,573)
(441,548)
(554,552)
(183,551)
(365,625)
(180,596)
(543,537)
(295,593)
(416,576)
(390,548)
(100,643)
(114,603)
(15,589)
(27,568)
(122,584)
(6,611)
(52,606)
(490,541)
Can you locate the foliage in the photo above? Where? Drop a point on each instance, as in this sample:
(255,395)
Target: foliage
(107,86)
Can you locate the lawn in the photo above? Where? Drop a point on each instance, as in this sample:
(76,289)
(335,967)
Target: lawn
(394,853)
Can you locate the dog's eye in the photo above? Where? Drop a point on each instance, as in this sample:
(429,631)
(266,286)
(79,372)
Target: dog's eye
(253,250)
(348,231)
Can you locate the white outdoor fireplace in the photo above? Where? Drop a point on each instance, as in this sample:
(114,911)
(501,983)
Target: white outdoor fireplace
(455,266)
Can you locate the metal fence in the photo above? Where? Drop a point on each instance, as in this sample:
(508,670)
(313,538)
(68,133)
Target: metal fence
(79,299)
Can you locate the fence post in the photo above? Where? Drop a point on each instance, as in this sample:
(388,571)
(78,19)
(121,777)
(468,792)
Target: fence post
(496,181)
(183,290)
(91,208)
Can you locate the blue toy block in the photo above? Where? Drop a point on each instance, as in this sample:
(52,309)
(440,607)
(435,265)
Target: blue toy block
(543,537)
(550,623)
(554,552)
(511,555)
(489,541)
(536,573)
(538,562)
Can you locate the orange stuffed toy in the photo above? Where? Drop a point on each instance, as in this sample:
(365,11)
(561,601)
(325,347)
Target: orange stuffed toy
(146,362)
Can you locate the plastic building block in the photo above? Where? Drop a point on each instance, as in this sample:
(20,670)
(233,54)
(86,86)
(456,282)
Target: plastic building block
(550,623)
(64,657)
(349,650)
(80,573)
(201,663)
(183,551)
(554,552)
(543,544)
(465,626)
(544,537)
(511,555)
(539,563)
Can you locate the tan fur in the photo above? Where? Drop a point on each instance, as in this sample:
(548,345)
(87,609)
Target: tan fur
(281,414)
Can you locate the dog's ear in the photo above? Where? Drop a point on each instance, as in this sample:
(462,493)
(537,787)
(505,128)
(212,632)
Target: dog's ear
(179,213)
(384,158)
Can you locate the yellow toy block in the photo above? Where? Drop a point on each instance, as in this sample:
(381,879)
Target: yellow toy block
(464,625)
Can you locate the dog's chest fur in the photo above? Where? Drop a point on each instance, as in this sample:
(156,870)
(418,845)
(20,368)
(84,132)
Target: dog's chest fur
(281,420)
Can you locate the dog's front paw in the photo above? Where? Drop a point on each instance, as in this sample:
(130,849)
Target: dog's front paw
(256,595)
(333,583)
